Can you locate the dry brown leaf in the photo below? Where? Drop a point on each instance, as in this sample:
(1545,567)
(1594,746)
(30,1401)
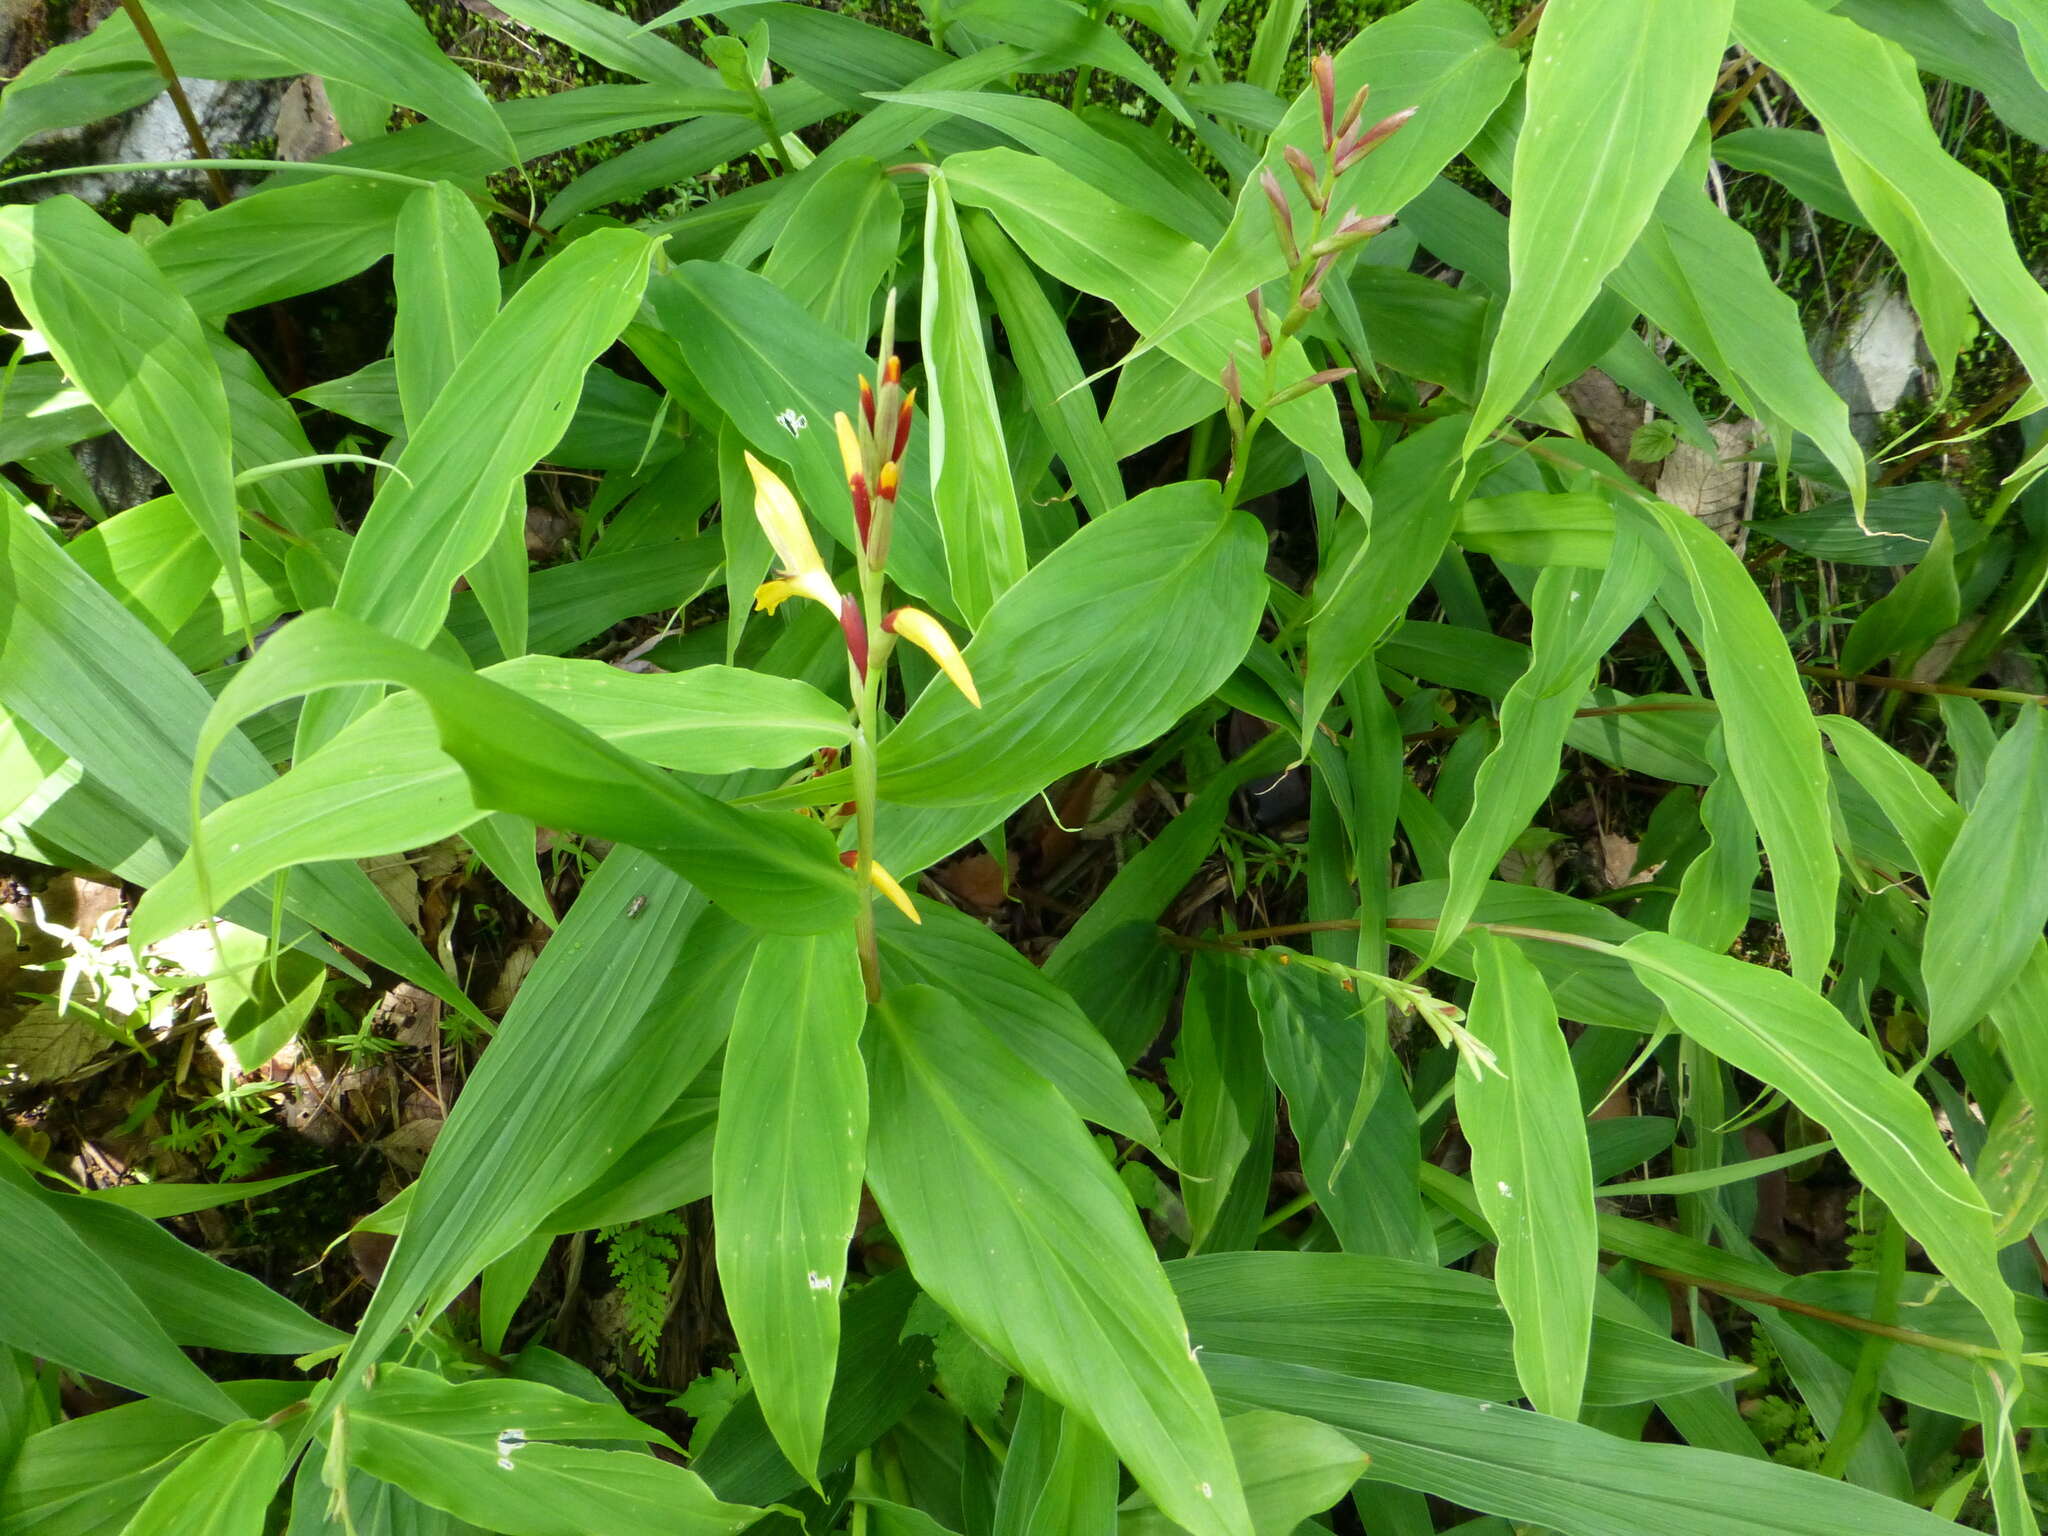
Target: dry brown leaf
(1716,490)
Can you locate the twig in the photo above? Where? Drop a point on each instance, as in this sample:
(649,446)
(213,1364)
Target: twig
(194,134)
(1525,26)
(1840,1319)
(1914,685)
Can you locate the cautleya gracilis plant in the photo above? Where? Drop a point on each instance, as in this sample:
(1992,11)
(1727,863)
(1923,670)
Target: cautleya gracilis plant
(1279,591)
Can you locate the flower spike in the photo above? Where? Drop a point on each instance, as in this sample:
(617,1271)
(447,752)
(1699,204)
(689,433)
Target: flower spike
(929,636)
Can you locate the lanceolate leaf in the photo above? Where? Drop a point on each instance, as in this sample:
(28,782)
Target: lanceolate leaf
(379,45)
(1576,618)
(595,1047)
(1533,1175)
(386,784)
(786,1174)
(1370,575)
(1568,1477)
(135,347)
(1772,741)
(1782,1033)
(1866,93)
(445,274)
(1615,93)
(774,871)
(66,1304)
(222,1489)
(972,1154)
(971,487)
(1991,897)
(505,404)
(1167,589)
(487,1452)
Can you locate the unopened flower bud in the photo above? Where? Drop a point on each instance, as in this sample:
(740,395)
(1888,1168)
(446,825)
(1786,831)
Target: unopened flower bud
(1350,231)
(1350,118)
(1304,176)
(1257,302)
(1324,68)
(1283,217)
(1312,290)
(867,401)
(903,414)
(1357,146)
(887,482)
(856,628)
(1233,386)
(1309,385)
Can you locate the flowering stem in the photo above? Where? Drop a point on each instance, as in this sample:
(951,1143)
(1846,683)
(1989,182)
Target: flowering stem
(867,692)
(1292,317)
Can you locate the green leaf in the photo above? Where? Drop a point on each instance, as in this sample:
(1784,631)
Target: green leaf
(89,1475)
(131,716)
(1370,574)
(1059,1478)
(1699,275)
(1036,1019)
(972,1154)
(1045,359)
(1168,588)
(506,403)
(222,1489)
(199,1301)
(1615,94)
(1867,95)
(1568,1477)
(444,271)
(1576,618)
(1220,1076)
(1772,741)
(972,492)
(1533,1175)
(884,1368)
(2033,33)
(67,1304)
(278,243)
(786,1176)
(164,1198)
(1362,1315)
(775,872)
(1782,1033)
(759,356)
(153,559)
(840,244)
(379,46)
(386,783)
(1798,160)
(593,1050)
(1328,1052)
(135,347)
(484,1452)
(1913,615)
(1991,897)
(1292,1468)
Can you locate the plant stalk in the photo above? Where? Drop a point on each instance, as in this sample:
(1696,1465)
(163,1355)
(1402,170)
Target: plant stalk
(194,134)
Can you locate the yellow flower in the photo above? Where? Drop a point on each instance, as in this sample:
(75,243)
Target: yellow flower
(803,574)
(885,882)
(929,636)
